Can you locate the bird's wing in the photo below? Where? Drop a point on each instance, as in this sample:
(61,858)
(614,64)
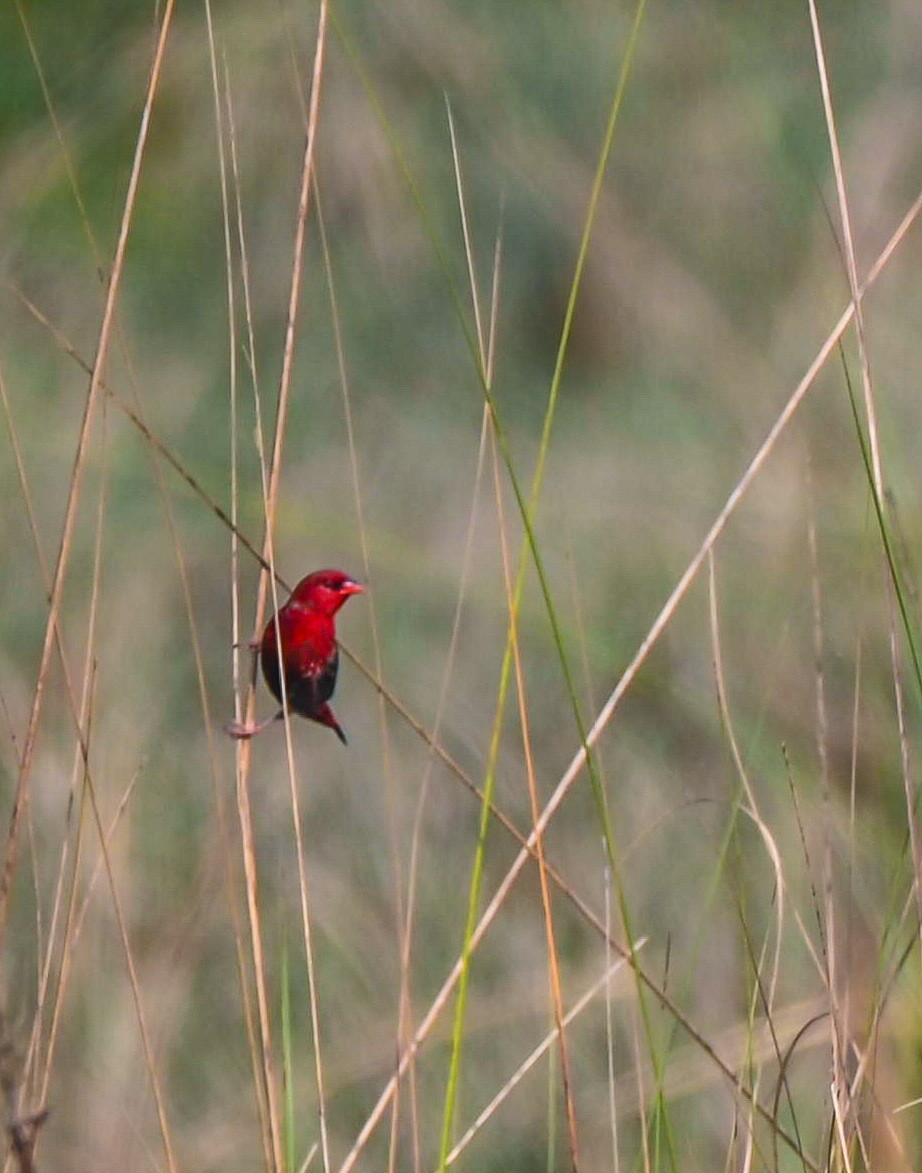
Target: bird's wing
(313,680)
(326,681)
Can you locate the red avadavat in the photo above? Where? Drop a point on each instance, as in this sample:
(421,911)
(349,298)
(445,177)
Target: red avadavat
(310,657)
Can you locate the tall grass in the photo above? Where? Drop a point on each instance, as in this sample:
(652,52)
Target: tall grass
(540,321)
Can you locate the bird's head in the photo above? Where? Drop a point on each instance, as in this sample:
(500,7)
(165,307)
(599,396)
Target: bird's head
(324,591)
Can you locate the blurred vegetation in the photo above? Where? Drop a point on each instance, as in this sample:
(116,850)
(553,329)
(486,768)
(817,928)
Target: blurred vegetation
(713,277)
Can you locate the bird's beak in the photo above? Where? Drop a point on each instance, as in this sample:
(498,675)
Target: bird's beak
(351,588)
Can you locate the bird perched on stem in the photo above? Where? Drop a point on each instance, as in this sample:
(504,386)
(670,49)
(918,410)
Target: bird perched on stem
(306,626)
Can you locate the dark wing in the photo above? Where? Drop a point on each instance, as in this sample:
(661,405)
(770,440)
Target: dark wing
(312,684)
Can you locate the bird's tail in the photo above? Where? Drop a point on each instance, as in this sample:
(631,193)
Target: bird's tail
(324,715)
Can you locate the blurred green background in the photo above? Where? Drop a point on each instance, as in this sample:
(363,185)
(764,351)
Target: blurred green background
(713,277)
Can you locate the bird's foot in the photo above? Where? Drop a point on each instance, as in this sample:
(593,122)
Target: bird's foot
(241,731)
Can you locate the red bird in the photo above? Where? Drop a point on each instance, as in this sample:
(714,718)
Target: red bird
(310,656)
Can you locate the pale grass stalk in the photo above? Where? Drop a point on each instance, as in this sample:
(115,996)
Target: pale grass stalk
(849,246)
(259,1088)
(46,577)
(771,848)
(465,232)
(275,467)
(297,828)
(133,980)
(403,995)
(311,1153)
(552,956)
(865,1060)
(874,444)
(886,989)
(826,930)
(840,1128)
(82,716)
(231,348)
(730,1159)
(822,716)
(853,786)
(753,1065)
(722,704)
(884,1113)
(73,495)
(79,713)
(838,1015)
(248,849)
(537,1054)
(80,913)
(271,482)
(907,1105)
(853,770)
(73,929)
(65,154)
(857,1129)
(820,963)
(770,844)
(910,791)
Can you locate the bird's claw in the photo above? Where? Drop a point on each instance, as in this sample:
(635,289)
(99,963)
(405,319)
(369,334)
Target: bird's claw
(240,731)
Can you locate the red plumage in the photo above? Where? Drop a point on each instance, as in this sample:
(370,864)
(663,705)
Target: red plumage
(310,656)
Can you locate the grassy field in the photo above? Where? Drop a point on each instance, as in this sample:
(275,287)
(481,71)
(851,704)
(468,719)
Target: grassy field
(584,336)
